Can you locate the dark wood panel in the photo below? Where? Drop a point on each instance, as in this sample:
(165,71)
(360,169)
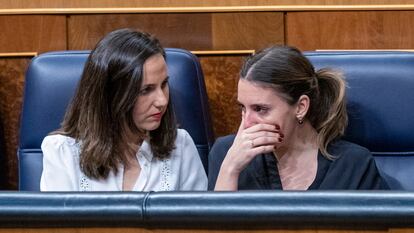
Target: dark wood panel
(32,33)
(351,30)
(190,31)
(221,75)
(11,95)
(249,30)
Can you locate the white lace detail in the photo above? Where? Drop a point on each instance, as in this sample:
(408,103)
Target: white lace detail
(84,184)
(165,175)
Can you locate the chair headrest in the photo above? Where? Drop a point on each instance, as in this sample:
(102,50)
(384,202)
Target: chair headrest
(380,97)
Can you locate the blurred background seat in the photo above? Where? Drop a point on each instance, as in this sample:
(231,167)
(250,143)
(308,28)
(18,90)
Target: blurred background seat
(51,80)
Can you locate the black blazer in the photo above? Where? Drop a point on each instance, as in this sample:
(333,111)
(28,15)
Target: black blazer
(353,168)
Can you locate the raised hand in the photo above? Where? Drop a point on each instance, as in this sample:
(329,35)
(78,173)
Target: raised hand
(249,142)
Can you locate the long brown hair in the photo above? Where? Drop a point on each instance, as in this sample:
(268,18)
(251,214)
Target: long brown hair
(100,114)
(288,71)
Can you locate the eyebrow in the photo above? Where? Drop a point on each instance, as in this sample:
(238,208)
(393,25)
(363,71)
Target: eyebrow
(152,84)
(256,104)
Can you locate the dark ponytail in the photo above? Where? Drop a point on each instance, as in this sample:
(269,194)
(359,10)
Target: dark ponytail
(328,114)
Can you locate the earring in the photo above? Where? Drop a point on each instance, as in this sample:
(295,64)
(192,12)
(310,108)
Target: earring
(300,120)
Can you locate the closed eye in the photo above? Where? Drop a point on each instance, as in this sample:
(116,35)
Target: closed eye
(260,109)
(165,83)
(146,89)
(242,108)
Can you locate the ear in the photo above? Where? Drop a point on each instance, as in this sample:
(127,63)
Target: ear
(302,107)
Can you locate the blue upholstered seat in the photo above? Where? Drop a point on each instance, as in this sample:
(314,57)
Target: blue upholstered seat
(380,107)
(51,80)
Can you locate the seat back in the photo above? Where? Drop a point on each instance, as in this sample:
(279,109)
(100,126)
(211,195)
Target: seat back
(380,107)
(51,80)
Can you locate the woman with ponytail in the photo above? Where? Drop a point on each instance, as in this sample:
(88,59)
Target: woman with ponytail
(289,136)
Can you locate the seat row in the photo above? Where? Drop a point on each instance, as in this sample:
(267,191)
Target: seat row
(380,103)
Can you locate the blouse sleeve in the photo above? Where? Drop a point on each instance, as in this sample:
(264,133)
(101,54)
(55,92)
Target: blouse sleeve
(58,165)
(193,176)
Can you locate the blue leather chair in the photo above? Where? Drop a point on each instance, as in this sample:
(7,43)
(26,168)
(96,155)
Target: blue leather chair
(51,80)
(380,107)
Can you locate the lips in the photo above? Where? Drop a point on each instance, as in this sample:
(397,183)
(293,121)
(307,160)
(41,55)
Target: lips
(157,116)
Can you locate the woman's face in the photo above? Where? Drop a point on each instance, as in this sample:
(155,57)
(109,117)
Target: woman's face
(263,105)
(153,96)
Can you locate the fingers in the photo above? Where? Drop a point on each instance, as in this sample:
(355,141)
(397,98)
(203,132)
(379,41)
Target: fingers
(266,138)
(263,137)
(262,127)
(264,141)
(240,155)
(258,139)
(261,134)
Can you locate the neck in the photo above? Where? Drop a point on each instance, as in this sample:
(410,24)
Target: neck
(134,143)
(302,141)
(136,137)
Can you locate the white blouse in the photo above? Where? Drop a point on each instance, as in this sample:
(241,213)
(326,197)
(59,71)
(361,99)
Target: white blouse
(183,170)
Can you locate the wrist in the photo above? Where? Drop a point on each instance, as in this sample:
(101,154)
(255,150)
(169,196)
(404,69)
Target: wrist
(228,179)
(229,170)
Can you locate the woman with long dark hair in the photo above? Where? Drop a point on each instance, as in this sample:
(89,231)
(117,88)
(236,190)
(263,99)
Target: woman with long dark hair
(119,132)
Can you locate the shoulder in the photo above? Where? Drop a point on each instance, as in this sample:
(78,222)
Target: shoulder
(225,141)
(183,143)
(344,150)
(58,140)
(185,154)
(354,167)
(221,146)
(59,144)
(182,134)
(183,137)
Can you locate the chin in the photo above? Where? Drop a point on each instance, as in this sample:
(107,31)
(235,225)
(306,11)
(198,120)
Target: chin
(151,127)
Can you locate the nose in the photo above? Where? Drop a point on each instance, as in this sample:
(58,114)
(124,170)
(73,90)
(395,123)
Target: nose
(161,98)
(249,118)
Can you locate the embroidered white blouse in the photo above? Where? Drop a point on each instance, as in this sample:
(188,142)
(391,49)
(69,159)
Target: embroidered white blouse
(183,170)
